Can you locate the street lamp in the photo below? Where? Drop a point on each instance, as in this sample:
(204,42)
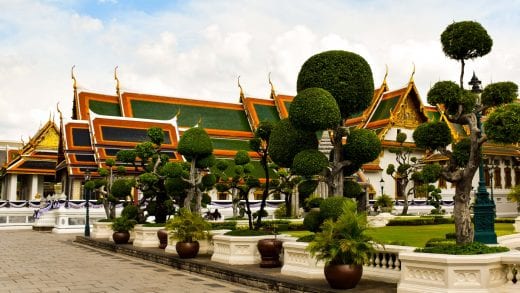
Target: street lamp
(87,203)
(382,182)
(484,208)
(491,171)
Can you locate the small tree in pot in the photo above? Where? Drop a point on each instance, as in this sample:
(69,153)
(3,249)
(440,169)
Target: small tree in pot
(187,228)
(344,247)
(122,227)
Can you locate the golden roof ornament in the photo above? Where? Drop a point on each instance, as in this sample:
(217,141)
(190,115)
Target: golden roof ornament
(74,82)
(413,73)
(117,81)
(241,90)
(59,111)
(273,93)
(386,74)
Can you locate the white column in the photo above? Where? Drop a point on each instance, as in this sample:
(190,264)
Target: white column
(33,188)
(11,186)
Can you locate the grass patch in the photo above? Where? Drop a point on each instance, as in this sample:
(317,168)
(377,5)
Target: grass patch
(418,235)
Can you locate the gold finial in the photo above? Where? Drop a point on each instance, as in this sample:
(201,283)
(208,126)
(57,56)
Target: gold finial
(23,142)
(241,90)
(74,83)
(178,112)
(273,93)
(199,123)
(117,80)
(413,72)
(59,111)
(386,74)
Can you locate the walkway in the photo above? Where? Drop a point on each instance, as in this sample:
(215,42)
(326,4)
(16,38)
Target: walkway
(43,262)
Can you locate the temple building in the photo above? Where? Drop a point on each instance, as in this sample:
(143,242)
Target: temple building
(29,172)
(102,124)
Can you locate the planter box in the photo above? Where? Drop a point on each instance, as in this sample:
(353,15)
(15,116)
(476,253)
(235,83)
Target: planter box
(146,236)
(101,230)
(206,246)
(428,272)
(299,263)
(237,250)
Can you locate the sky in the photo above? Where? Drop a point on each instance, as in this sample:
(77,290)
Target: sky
(197,49)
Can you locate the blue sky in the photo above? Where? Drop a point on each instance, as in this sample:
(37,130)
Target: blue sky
(198,48)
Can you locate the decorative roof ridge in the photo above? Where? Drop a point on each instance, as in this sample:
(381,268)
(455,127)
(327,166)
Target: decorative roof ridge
(165,98)
(376,100)
(93,115)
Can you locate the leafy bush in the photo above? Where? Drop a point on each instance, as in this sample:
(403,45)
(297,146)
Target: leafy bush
(384,202)
(438,241)
(286,141)
(306,238)
(309,162)
(231,225)
(419,221)
(188,227)
(244,232)
(314,109)
(313,202)
(123,224)
(466,249)
(281,211)
(296,226)
(332,207)
(151,225)
(312,221)
(130,212)
(451,236)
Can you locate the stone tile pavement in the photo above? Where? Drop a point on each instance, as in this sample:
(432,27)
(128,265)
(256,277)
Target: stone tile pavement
(43,262)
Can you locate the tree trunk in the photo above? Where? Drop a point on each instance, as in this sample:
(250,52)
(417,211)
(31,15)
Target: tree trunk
(335,183)
(191,191)
(404,184)
(462,212)
(265,194)
(234,202)
(462,73)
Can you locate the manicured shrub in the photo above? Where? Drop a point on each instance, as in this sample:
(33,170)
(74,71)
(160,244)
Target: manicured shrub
(314,109)
(309,162)
(231,225)
(306,238)
(332,207)
(286,141)
(247,233)
(312,221)
(466,249)
(195,142)
(362,146)
(130,212)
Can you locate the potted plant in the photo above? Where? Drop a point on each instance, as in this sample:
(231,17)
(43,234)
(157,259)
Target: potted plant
(384,203)
(270,250)
(343,246)
(187,228)
(122,227)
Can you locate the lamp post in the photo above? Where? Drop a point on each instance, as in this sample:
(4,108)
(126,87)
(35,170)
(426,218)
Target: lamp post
(382,182)
(87,203)
(484,208)
(491,171)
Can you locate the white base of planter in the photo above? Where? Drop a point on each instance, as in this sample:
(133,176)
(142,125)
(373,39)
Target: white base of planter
(441,273)
(146,236)
(237,250)
(299,263)
(101,230)
(206,247)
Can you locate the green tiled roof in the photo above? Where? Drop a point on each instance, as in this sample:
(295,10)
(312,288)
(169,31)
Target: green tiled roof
(104,108)
(383,110)
(129,134)
(459,129)
(215,118)
(433,115)
(267,113)
(230,144)
(287,105)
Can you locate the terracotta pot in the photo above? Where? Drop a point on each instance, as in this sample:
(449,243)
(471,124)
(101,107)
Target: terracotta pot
(343,276)
(121,237)
(162,234)
(187,249)
(270,251)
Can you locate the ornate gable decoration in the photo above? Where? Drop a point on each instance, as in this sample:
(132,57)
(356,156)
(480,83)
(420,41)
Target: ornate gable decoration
(408,115)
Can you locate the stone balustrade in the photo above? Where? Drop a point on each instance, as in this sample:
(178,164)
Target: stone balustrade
(385,265)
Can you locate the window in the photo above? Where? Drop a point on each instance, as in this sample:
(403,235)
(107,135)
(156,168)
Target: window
(507,177)
(497,180)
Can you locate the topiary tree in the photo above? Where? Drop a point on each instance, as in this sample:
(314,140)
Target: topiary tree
(464,158)
(406,166)
(465,40)
(197,148)
(332,86)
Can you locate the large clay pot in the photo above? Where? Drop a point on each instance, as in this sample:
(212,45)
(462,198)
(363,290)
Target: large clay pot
(270,251)
(343,276)
(121,237)
(187,249)
(162,234)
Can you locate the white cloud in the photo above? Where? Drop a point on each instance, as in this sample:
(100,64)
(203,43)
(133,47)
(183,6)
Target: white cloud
(199,49)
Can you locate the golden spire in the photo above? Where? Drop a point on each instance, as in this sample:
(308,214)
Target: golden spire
(117,81)
(241,90)
(199,123)
(178,112)
(386,74)
(413,73)
(74,83)
(273,93)
(59,111)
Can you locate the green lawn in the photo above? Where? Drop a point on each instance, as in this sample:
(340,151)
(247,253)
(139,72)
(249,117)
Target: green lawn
(418,235)
(414,235)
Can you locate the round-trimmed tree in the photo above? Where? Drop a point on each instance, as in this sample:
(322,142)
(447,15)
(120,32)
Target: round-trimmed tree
(346,75)
(286,141)
(314,109)
(465,40)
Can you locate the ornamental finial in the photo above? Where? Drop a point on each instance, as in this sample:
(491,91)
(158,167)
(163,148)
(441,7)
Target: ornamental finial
(241,90)
(74,83)
(273,93)
(117,81)
(413,72)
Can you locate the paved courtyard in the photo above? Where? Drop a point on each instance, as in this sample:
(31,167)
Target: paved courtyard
(44,262)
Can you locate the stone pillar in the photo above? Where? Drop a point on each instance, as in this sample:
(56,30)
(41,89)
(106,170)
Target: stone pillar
(33,189)
(11,186)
